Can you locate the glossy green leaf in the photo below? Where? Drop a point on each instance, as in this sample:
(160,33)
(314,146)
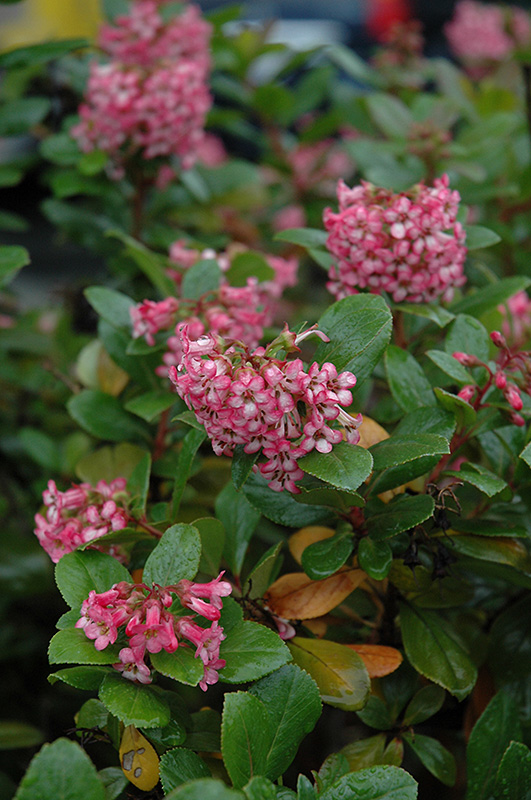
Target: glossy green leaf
(293,705)
(476,303)
(338,671)
(179,765)
(176,556)
(12,259)
(514,774)
(189,447)
(61,771)
(451,366)
(260,788)
(239,519)
(490,737)
(468,335)
(407,381)
(375,557)
(374,783)
(401,514)
(434,653)
(345,467)
(464,413)
(305,237)
(398,450)
(113,306)
(364,753)
(182,665)
(87,678)
(171,735)
(499,550)
(15,735)
(430,419)
(117,342)
(201,278)
(477,237)
(138,485)
(321,559)
(376,714)
(359,328)
(133,703)
(150,405)
(280,506)
(251,651)
(328,496)
(150,263)
(424,704)
(245,734)
(212,535)
(263,573)
(480,477)
(249,265)
(77,573)
(435,313)
(205,789)
(525,455)
(510,654)
(71,646)
(104,417)
(242,465)
(436,758)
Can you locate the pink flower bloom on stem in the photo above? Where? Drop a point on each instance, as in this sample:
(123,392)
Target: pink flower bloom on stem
(266,404)
(408,245)
(149,317)
(132,667)
(190,593)
(517,323)
(483,33)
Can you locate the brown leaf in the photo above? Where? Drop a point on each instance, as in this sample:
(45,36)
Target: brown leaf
(300,540)
(379,659)
(296,596)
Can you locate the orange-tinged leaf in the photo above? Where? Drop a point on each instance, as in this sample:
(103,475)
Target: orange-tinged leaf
(317,626)
(139,760)
(302,539)
(371,432)
(296,596)
(379,659)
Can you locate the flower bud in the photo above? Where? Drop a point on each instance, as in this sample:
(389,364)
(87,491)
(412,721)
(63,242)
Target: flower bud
(501,380)
(512,395)
(517,419)
(498,339)
(467,360)
(467,393)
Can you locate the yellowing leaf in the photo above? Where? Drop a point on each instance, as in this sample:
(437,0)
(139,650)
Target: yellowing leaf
(379,659)
(317,626)
(300,540)
(296,596)
(371,432)
(112,378)
(139,760)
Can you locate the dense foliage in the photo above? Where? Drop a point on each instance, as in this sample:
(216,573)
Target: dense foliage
(280,453)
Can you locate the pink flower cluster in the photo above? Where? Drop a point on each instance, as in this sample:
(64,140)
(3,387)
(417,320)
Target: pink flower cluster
(150,627)
(151,99)
(236,313)
(484,32)
(407,244)
(516,326)
(80,515)
(508,363)
(265,404)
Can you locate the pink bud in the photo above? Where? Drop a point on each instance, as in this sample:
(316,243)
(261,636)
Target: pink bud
(467,393)
(512,395)
(517,419)
(498,339)
(466,359)
(501,380)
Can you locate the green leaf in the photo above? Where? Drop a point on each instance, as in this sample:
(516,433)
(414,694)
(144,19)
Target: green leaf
(364,753)
(21,114)
(398,450)
(401,514)
(345,467)
(376,714)
(71,646)
(176,556)
(201,278)
(514,774)
(260,788)
(15,735)
(321,559)
(510,654)
(88,678)
(133,703)
(293,705)
(490,737)
(280,506)
(359,328)
(93,162)
(12,259)
(61,771)
(113,306)
(424,704)
(138,485)
(437,314)
(189,447)
(179,765)
(60,148)
(407,381)
(117,342)
(77,573)
(477,237)
(245,734)
(434,756)
(434,653)
(305,237)
(430,419)
(450,366)
(242,465)
(354,66)
(182,665)
(490,296)
(389,113)
(499,550)
(263,573)
(373,783)
(152,264)
(468,335)
(338,671)
(525,455)
(249,265)
(251,651)
(205,789)
(103,417)
(40,53)
(239,519)
(15,223)
(375,558)
(480,477)
(41,448)
(150,405)
(212,535)
(109,462)
(465,415)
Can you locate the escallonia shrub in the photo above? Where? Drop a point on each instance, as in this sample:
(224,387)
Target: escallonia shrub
(287,508)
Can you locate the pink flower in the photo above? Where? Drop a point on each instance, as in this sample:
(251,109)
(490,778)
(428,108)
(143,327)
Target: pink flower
(132,667)
(408,245)
(149,317)
(517,323)
(189,594)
